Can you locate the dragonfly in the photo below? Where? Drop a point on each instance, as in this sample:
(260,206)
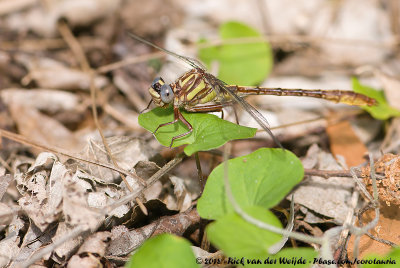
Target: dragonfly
(199,91)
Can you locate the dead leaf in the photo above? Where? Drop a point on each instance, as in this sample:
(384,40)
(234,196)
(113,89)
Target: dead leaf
(345,142)
(126,151)
(124,241)
(65,250)
(91,251)
(51,101)
(43,129)
(326,197)
(4,182)
(391,87)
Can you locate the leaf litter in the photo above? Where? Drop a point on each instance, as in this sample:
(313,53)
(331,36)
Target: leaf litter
(44,95)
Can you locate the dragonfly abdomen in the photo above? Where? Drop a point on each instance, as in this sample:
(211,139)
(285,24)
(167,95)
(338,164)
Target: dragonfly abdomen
(338,96)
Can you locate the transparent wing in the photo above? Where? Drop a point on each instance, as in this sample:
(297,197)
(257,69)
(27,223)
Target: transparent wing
(261,120)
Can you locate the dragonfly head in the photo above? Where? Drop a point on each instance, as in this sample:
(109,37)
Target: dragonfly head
(161,93)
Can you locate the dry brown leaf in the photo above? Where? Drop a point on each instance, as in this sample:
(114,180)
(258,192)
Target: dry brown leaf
(41,190)
(391,87)
(183,199)
(65,250)
(91,251)
(4,182)
(126,151)
(6,215)
(76,209)
(344,142)
(326,197)
(124,241)
(33,241)
(43,129)
(51,101)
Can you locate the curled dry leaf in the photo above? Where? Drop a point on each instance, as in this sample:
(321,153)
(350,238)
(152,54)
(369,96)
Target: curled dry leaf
(41,190)
(50,191)
(389,186)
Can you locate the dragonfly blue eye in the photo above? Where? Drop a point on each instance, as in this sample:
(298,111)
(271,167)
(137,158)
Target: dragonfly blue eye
(157,83)
(166,93)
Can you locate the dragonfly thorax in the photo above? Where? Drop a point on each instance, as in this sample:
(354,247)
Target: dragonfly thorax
(192,89)
(161,93)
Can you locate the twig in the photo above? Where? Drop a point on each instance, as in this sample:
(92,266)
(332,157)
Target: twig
(85,66)
(278,246)
(360,221)
(330,173)
(128,61)
(166,168)
(199,172)
(358,232)
(292,38)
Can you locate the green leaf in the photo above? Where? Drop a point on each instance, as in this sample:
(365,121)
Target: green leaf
(389,260)
(165,251)
(382,110)
(239,63)
(209,131)
(262,178)
(238,238)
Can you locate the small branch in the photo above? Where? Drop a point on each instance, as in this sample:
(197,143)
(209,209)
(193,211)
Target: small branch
(128,61)
(329,173)
(127,198)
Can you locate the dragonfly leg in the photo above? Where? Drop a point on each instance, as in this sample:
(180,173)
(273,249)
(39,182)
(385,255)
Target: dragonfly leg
(166,124)
(179,116)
